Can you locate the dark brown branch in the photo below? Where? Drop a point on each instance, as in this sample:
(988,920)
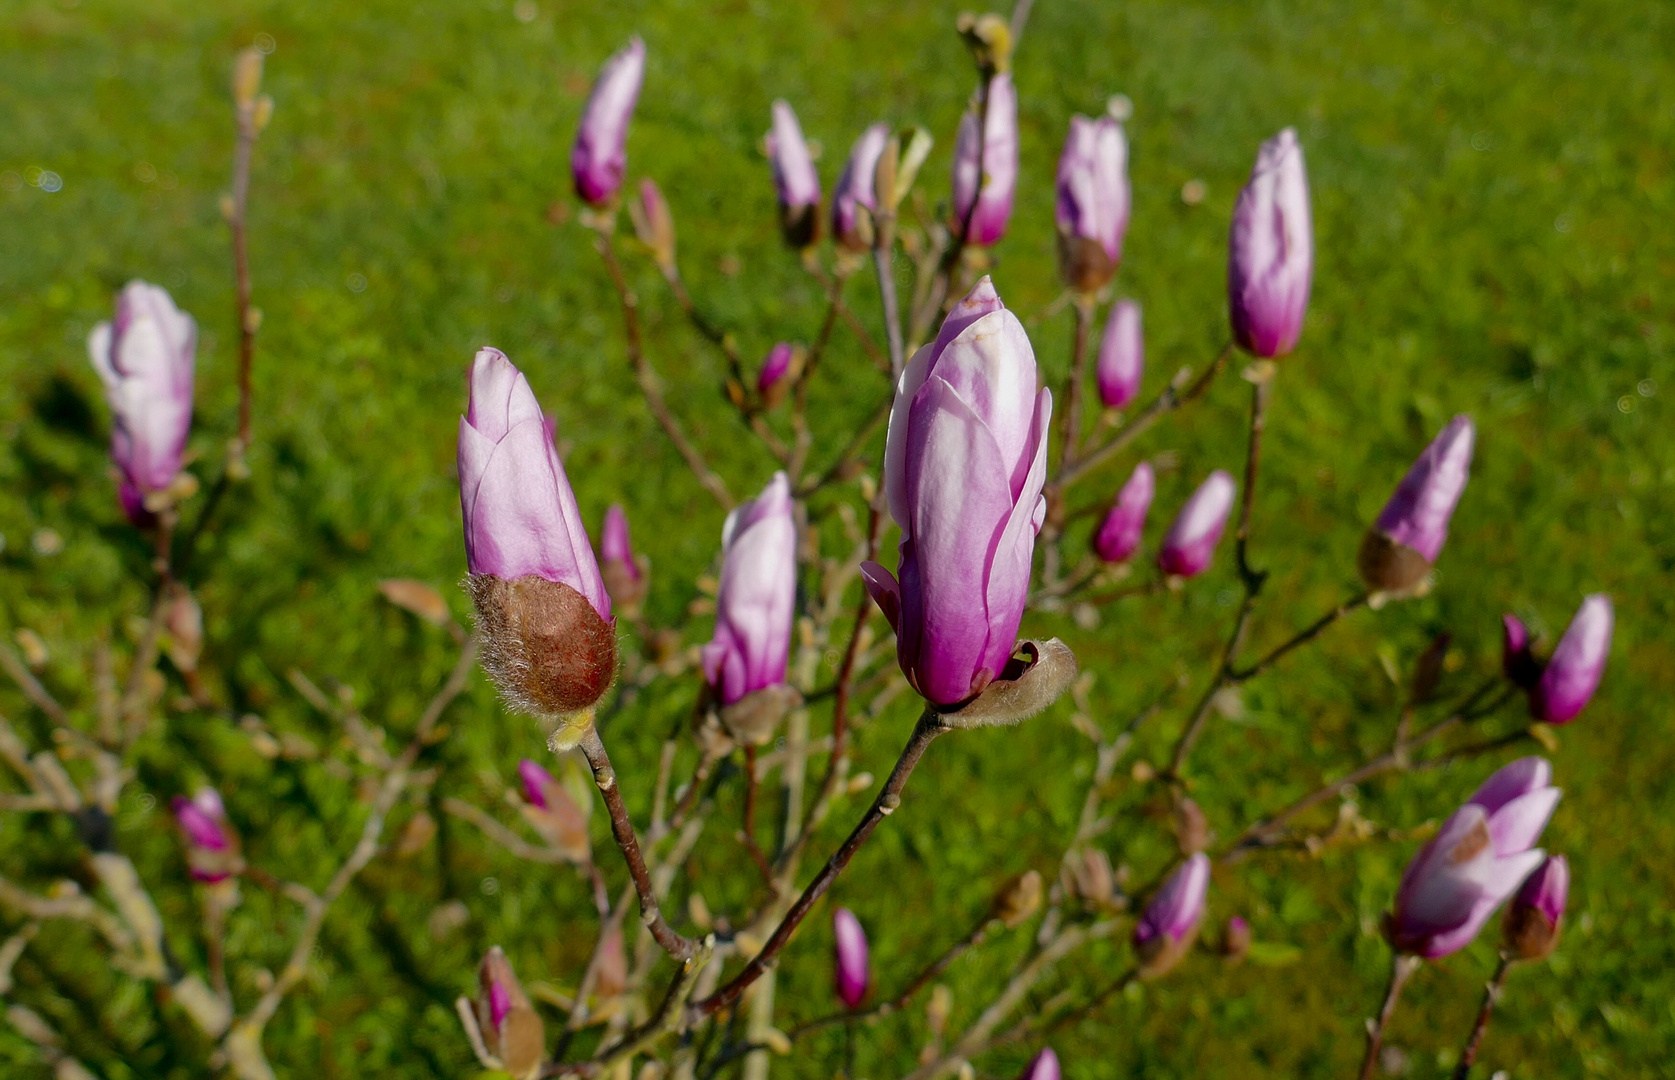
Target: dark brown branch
(1491,995)
(681,948)
(1400,972)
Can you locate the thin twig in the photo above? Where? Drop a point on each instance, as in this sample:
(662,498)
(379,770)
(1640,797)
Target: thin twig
(1491,995)
(644,374)
(889,798)
(1070,431)
(1401,970)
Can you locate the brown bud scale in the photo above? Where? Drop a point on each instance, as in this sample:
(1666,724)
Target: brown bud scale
(547,650)
(1387,566)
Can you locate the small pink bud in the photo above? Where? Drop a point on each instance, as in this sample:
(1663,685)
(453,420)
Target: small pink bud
(1043,1066)
(1397,552)
(1166,931)
(777,373)
(1119,536)
(986,164)
(625,580)
(511,1028)
(211,846)
(1191,541)
(795,180)
(1236,942)
(600,156)
(851,958)
(1577,665)
(1530,930)
(1270,261)
(1121,356)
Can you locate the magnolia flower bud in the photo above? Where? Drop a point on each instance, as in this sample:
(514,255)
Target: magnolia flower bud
(553,812)
(1019,898)
(794,178)
(1166,931)
(510,1027)
(145,359)
(1190,543)
(779,370)
(1397,552)
(1093,202)
(613,964)
(212,850)
(1474,862)
(1043,1066)
(755,603)
(1192,827)
(625,579)
(654,224)
(1236,942)
(1121,356)
(1271,253)
(851,965)
(1118,537)
(965,456)
(1518,663)
(548,638)
(1530,930)
(986,165)
(854,200)
(1573,674)
(600,156)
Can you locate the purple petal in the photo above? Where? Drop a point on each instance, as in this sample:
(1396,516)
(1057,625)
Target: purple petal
(854,191)
(1271,251)
(755,604)
(1119,535)
(851,957)
(1512,780)
(536,782)
(1516,826)
(1043,1066)
(1121,356)
(1578,663)
(1547,889)
(1179,905)
(794,175)
(994,166)
(1417,514)
(600,156)
(1092,185)
(1191,541)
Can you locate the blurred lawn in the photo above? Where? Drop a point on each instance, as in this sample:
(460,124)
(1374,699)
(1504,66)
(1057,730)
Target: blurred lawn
(1493,197)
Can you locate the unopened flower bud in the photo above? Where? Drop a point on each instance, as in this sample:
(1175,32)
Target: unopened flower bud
(1191,541)
(511,1029)
(851,962)
(600,156)
(986,164)
(553,812)
(1573,674)
(1397,552)
(654,224)
(1271,252)
(548,639)
(1019,898)
(1530,930)
(795,180)
(1121,356)
(1235,943)
(1093,203)
(1118,537)
(1166,931)
(1192,828)
(757,596)
(854,200)
(989,37)
(1518,661)
(212,849)
(247,78)
(780,369)
(1043,1066)
(625,578)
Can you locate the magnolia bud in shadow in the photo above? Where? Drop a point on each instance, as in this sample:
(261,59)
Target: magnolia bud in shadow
(546,648)
(510,1028)
(1019,898)
(1530,930)
(1165,932)
(626,577)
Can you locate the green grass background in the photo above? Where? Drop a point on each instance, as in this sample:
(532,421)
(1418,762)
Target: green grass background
(1492,193)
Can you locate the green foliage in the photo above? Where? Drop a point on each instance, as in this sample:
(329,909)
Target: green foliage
(1492,187)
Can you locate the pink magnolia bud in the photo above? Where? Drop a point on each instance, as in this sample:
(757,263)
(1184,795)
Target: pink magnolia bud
(1236,942)
(548,638)
(1119,536)
(771,380)
(1043,1066)
(553,812)
(211,845)
(1093,202)
(625,581)
(1518,663)
(1271,254)
(600,156)
(794,178)
(986,164)
(1474,862)
(145,359)
(965,459)
(1122,356)
(1530,930)
(1397,552)
(755,605)
(1573,674)
(1191,541)
(851,958)
(511,1028)
(1170,923)
(853,200)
